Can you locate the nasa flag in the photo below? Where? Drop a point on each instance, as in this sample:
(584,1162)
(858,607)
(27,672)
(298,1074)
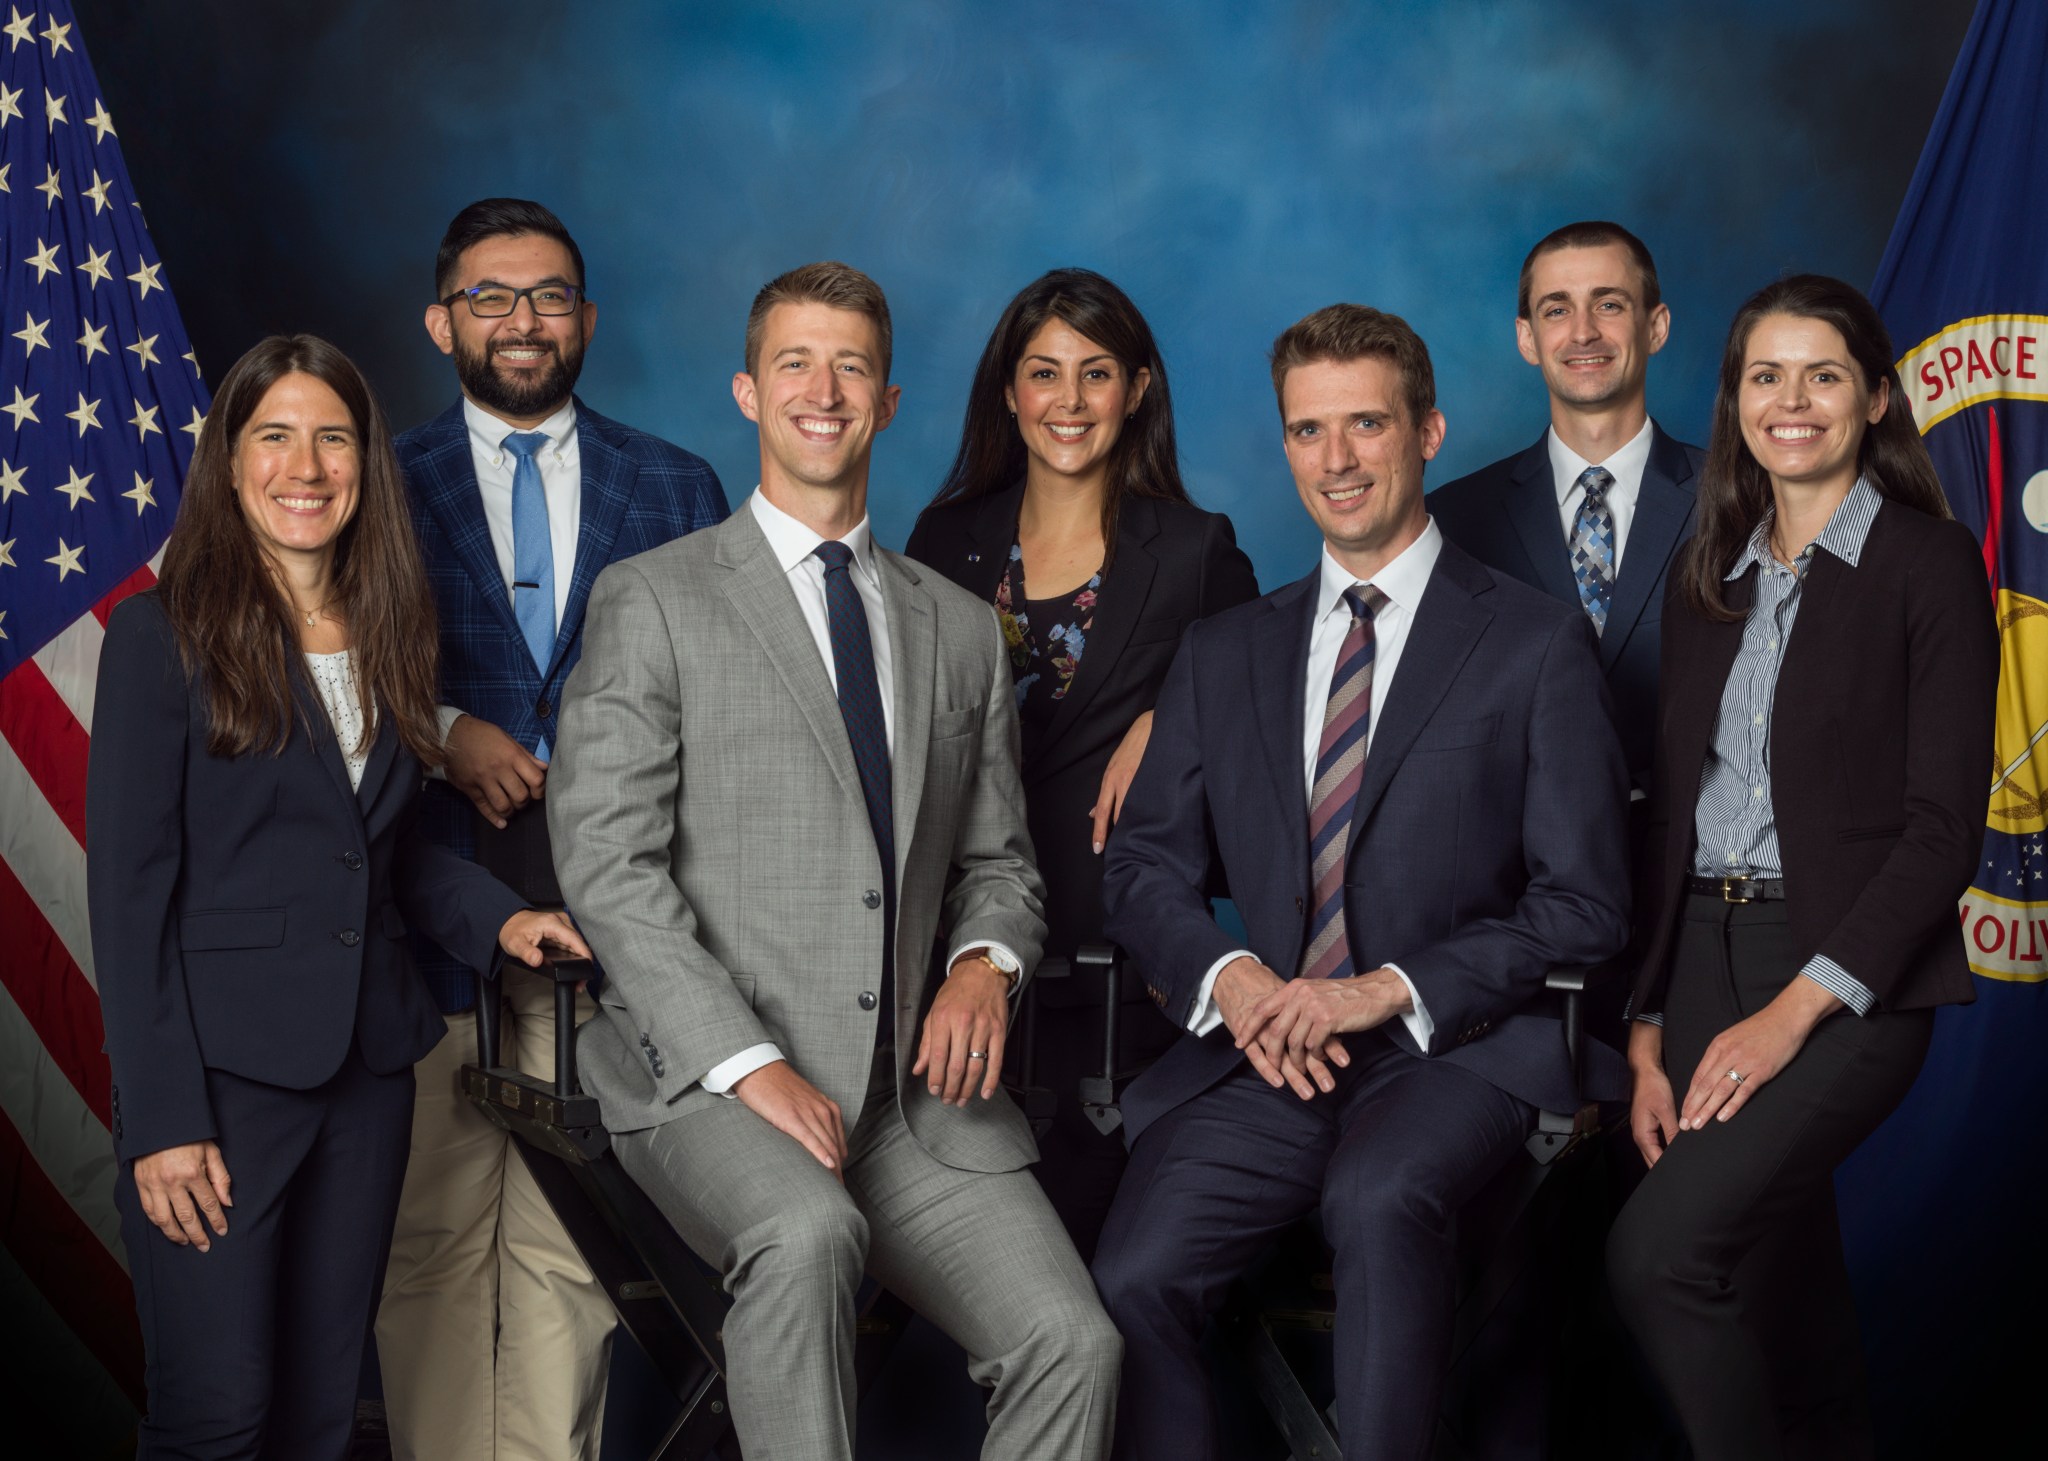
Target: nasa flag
(1963,287)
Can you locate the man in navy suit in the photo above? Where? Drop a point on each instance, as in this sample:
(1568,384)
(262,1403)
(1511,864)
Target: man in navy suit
(1404,768)
(1593,513)
(520,494)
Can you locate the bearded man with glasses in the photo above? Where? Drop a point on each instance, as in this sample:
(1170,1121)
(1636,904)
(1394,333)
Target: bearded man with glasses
(520,495)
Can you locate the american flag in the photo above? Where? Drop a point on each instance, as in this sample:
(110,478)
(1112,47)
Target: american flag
(100,405)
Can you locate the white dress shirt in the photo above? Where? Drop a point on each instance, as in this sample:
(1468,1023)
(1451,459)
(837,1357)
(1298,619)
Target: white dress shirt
(794,546)
(1403,582)
(561,481)
(1625,465)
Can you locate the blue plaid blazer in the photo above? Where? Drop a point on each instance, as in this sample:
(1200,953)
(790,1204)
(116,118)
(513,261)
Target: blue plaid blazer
(638,493)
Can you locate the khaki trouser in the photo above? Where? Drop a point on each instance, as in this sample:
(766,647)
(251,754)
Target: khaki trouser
(479,1253)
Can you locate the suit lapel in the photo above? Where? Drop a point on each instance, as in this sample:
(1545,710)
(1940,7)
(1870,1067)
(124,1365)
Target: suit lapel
(1279,667)
(446,478)
(991,533)
(1119,604)
(326,748)
(1532,508)
(1448,623)
(609,476)
(1663,511)
(914,653)
(760,592)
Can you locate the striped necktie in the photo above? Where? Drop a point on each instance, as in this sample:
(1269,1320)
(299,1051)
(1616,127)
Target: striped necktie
(1340,768)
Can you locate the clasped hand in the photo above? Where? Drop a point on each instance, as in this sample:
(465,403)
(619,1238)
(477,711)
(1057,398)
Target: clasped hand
(1289,1028)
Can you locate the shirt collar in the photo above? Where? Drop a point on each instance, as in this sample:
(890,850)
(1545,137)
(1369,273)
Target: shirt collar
(1402,580)
(1625,463)
(792,542)
(1844,535)
(487,433)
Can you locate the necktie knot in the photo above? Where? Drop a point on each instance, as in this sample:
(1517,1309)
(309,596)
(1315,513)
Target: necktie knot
(836,556)
(524,444)
(1596,481)
(1365,600)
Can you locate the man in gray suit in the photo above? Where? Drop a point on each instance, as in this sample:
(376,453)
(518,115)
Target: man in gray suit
(788,767)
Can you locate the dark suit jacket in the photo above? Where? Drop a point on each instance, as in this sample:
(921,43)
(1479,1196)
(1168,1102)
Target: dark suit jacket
(249,913)
(1174,564)
(1881,748)
(638,493)
(1505,515)
(1487,837)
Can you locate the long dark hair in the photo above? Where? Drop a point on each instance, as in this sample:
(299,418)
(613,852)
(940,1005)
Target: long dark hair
(1144,462)
(1735,491)
(228,607)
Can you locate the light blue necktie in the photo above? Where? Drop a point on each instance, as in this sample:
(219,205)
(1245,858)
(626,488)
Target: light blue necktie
(533,555)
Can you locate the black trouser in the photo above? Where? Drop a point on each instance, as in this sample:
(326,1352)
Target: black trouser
(1388,1159)
(254,1348)
(1726,1264)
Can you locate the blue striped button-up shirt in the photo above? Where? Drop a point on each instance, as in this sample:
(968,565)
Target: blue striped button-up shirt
(1736,833)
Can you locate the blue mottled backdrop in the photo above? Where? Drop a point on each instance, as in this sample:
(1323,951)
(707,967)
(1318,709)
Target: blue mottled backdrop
(1232,165)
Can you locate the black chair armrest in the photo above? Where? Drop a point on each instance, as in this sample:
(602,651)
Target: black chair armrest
(567,972)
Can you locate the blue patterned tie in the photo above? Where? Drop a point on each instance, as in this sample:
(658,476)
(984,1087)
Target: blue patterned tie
(533,555)
(860,706)
(1593,546)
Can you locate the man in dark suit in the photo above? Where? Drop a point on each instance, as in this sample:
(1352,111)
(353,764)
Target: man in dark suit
(1594,511)
(1404,765)
(520,495)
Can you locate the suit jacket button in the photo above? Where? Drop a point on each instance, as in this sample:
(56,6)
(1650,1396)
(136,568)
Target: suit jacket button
(353,861)
(871,898)
(866,1000)
(349,938)
(543,709)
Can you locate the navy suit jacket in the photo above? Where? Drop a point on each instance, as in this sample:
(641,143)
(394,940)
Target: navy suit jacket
(638,493)
(249,913)
(1487,841)
(1505,515)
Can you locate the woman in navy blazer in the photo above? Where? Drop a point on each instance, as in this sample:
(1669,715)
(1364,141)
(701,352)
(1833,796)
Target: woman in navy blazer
(1065,509)
(1830,668)
(262,720)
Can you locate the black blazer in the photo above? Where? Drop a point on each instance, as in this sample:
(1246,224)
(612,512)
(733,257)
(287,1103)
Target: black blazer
(249,913)
(1505,515)
(1880,750)
(1174,564)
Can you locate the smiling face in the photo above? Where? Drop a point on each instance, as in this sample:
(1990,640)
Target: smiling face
(818,398)
(297,469)
(520,367)
(1586,329)
(1804,405)
(1356,457)
(1071,398)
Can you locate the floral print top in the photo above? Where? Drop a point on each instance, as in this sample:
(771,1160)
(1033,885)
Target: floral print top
(1043,661)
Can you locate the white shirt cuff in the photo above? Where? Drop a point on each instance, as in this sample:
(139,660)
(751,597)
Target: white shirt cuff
(988,945)
(1207,1014)
(722,1077)
(448,715)
(1420,1026)
(1840,983)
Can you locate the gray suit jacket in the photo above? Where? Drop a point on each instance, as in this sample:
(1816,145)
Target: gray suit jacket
(710,836)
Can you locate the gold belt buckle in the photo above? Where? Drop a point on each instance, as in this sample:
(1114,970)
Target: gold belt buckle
(1728,894)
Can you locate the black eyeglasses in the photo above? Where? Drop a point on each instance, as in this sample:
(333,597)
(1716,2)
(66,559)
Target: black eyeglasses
(494,301)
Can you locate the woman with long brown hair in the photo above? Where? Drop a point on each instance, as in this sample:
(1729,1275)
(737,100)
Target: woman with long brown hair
(1065,510)
(1829,672)
(261,721)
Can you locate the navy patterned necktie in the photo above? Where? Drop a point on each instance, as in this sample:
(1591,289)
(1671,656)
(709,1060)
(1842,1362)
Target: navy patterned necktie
(1593,546)
(860,706)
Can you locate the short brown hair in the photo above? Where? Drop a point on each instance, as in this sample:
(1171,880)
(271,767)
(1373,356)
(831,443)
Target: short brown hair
(1592,234)
(1343,332)
(839,285)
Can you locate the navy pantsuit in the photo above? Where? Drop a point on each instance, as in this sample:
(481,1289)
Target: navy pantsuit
(1487,847)
(249,920)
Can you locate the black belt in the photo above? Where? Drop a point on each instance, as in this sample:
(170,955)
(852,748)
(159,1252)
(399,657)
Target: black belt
(1739,890)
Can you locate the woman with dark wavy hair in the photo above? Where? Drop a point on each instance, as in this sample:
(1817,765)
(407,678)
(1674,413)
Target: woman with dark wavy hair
(1830,667)
(1064,508)
(261,722)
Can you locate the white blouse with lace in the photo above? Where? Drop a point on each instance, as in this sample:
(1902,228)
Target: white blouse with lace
(334,678)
